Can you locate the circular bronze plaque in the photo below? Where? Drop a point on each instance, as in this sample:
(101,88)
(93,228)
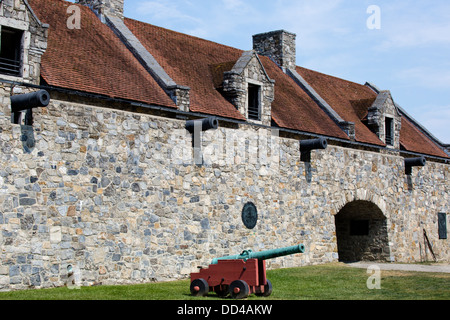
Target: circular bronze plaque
(249,215)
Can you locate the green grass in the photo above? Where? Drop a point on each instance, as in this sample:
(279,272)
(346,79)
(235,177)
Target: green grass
(324,282)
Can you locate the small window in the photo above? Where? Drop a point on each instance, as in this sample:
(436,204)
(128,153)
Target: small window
(11,51)
(389,131)
(359,227)
(442,225)
(254,102)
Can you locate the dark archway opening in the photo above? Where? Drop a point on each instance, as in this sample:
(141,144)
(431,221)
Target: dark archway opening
(361,233)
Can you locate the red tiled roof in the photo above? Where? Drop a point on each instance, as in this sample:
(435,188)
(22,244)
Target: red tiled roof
(411,139)
(191,61)
(92,59)
(293,108)
(187,61)
(352,100)
(346,98)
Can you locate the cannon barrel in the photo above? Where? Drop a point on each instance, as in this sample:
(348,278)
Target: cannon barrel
(263,255)
(415,162)
(313,144)
(31,100)
(205,124)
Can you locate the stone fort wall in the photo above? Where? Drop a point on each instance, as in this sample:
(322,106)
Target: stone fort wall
(98,195)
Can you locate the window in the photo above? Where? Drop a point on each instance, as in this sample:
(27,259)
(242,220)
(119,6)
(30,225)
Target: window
(254,102)
(442,225)
(389,131)
(11,51)
(359,227)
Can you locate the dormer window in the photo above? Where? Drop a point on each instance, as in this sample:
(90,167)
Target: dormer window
(384,119)
(11,51)
(246,85)
(389,131)
(254,102)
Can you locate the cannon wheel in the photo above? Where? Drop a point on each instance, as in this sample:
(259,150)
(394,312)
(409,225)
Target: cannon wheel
(199,287)
(239,289)
(267,290)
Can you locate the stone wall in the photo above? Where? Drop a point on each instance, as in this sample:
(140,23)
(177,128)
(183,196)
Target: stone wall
(101,195)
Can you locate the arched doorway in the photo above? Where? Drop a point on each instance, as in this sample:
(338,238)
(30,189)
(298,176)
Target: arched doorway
(361,232)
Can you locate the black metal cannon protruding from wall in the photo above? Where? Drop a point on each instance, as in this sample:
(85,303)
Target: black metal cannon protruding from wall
(195,127)
(306,146)
(27,102)
(414,162)
(203,124)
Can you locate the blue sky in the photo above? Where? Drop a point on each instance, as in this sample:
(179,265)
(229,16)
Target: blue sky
(408,54)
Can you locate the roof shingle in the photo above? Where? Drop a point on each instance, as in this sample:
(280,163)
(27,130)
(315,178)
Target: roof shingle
(92,59)
(346,98)
(412,139)
(187,60)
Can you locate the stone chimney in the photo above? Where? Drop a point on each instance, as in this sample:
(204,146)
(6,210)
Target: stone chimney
(105,7)
(277,45)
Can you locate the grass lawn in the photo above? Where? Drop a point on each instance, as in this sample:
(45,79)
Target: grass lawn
(325,282)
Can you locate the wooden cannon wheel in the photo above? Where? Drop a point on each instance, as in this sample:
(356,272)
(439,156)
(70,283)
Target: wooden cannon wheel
(239,289)
(199,287)
(267,290)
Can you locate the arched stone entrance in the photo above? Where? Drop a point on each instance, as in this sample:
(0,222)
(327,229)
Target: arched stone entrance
(361,232)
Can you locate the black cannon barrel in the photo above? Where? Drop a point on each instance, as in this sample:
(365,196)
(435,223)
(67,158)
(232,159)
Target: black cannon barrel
(206,124)
(415,162)
(31,100)
(313,144)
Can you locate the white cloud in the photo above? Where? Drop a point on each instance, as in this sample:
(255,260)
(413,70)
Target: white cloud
(408,24)
(416,35)
(314,22)
(214,20)
(427,77)
(164,12)
(235,5)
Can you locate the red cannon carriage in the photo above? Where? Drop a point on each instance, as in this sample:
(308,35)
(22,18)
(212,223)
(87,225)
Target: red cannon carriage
(239,275)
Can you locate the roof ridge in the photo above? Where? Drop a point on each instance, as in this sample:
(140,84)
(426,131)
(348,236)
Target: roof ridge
(184,34)
(331,76)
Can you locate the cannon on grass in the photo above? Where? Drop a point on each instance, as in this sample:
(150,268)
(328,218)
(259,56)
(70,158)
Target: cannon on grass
(239,275)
